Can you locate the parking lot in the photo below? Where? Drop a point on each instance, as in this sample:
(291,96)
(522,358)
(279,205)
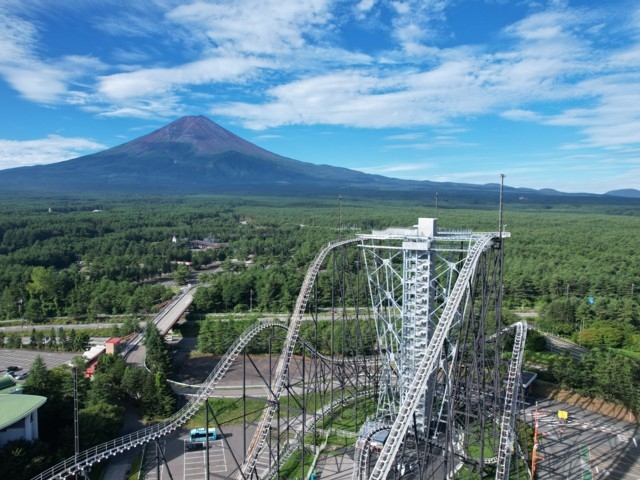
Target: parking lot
(187,464)
(23,359)
(586,446)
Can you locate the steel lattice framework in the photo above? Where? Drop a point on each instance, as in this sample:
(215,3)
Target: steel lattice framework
(414,332)
(443,401)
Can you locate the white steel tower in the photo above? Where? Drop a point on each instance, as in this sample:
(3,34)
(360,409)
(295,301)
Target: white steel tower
(411,272)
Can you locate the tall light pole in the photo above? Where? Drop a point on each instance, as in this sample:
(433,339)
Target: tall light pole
(20,302)
(339,217)
(500,226)
(76,429)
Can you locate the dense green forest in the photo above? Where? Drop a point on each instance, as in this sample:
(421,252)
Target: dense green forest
(72,261)
(577,266)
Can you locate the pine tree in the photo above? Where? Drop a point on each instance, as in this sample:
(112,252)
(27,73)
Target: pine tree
(164,396)
(38,381)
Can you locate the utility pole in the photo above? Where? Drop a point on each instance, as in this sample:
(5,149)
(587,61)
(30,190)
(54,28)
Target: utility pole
(76,427)
(436,204)
(500,226)
(339,217)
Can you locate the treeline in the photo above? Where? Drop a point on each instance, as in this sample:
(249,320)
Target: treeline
(602,373)
(101,406)
(76,262)
(603,322)
(73,341)
(61,339)
(577,266)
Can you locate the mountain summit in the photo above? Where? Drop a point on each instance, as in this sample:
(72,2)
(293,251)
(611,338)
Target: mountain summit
(202,135)
(192,154)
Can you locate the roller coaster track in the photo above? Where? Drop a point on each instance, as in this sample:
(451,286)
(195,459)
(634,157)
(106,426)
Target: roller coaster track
(258,442)
(113,447)
(507,434)
(430,360)
(116,446)
(361,455)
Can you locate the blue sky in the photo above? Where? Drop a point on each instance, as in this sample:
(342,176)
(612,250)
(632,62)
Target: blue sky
(545,92)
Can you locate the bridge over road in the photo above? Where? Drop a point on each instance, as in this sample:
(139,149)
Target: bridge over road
(169,316)
(164,321)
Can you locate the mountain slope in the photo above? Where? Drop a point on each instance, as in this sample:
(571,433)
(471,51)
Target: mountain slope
(191,153)
(625,192)
(194,155)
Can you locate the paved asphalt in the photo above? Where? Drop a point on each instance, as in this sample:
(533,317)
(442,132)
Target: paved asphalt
(24,358)
(587,446)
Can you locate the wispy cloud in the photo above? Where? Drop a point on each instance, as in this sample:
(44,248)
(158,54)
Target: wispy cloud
(267,137)
(404,136)
(396,168)
(35,79)
(51,149)
(159,81)
(245,27)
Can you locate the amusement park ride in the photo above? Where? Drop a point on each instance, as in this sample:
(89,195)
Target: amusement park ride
(419,358)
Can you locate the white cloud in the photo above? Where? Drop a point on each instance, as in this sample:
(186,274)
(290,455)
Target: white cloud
(363,7)
(42,151)
(405,136)
(267,137)
(18,65)
(35,82)
(158,81)
(396,168)
(519,114)
(133,20)
(166,107)
(255,27)
(35,79)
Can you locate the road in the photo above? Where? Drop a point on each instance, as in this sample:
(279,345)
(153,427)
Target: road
(164,321)
(588,445)
(172,313)
(76,326)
